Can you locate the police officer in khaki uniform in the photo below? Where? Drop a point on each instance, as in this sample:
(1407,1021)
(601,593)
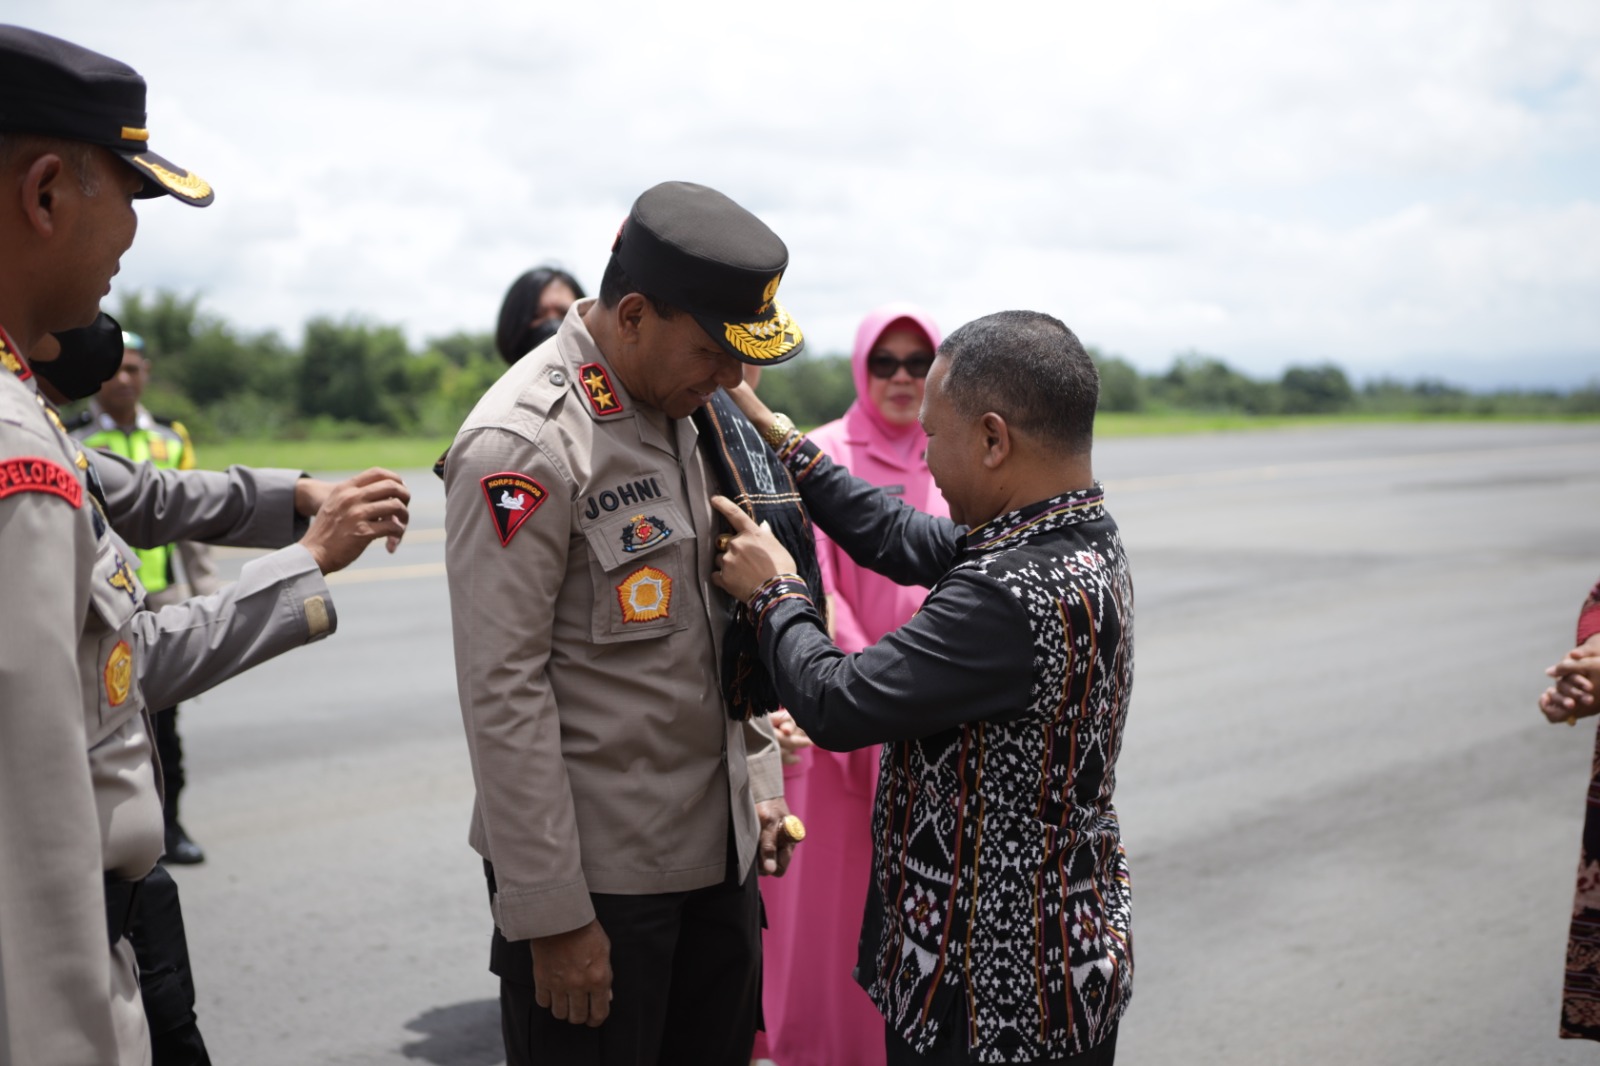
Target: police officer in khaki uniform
(117,421)
(619,807)
(80,815)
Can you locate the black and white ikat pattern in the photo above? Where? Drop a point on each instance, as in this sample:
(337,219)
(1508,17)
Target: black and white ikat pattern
(999,858)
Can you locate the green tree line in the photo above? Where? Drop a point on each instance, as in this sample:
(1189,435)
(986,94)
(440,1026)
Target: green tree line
(349,378)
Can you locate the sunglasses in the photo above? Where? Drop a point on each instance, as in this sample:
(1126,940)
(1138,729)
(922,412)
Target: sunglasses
(886,366)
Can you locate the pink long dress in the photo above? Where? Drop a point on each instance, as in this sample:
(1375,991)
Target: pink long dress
(816,1015)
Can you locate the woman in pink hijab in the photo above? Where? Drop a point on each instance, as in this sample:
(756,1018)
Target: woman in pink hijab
(816,1015)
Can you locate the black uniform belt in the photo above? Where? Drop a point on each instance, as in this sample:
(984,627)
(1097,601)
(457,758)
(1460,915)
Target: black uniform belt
(120,899)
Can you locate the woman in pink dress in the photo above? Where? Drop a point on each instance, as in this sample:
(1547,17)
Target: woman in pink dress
(816,1015)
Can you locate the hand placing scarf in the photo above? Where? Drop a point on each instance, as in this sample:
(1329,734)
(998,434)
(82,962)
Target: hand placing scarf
(751,476)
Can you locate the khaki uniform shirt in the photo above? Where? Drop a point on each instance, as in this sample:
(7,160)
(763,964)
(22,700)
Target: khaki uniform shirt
(587,638)
(78,793)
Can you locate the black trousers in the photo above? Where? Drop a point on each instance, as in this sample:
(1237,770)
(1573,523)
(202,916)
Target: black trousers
(169,749)
(165,982)
(686,983)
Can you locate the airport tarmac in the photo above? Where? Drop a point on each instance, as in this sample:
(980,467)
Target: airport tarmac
(1352,835)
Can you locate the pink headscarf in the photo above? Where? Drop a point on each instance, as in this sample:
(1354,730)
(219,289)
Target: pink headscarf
(863,415)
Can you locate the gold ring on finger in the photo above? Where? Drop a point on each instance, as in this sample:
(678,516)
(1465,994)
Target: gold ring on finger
(723,540)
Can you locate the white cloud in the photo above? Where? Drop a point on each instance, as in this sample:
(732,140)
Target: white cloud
(1373,182)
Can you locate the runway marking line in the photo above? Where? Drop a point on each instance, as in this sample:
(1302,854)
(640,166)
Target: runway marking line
(386,573)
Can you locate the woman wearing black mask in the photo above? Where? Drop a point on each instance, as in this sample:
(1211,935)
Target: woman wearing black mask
(533,309)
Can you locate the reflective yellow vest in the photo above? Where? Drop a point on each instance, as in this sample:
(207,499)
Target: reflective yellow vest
(161,442)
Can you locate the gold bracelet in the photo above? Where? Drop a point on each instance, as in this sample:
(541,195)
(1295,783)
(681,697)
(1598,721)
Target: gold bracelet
(781,427)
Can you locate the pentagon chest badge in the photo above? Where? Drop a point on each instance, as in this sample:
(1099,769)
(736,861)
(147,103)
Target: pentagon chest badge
(119,674)
(597,387)
(643,532)
(645,595)
(512,499)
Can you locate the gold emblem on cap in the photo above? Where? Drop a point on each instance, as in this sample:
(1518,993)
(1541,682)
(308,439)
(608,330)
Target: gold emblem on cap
(765,341)
(133,133)
(769,294)
(191,186)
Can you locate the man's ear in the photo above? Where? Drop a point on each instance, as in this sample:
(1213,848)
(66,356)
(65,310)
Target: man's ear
(41,192)
(996,439)
(629,315)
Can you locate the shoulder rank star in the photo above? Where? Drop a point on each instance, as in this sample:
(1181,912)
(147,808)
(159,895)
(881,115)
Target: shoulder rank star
(10,361)
(643,532)
(512,499)
(597,386)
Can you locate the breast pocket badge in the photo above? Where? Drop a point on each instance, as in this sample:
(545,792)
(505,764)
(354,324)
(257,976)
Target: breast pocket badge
(645,595)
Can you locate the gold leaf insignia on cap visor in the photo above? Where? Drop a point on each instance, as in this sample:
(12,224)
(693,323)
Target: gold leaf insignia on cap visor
(191,186)
(765,341)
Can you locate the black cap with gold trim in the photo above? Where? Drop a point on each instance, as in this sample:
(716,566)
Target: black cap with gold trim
(55,88)
(695,249)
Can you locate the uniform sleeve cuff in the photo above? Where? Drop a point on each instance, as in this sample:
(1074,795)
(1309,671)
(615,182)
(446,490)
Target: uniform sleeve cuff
(773,592)
(532,913)
(799,454)
(305,590)
(766,775)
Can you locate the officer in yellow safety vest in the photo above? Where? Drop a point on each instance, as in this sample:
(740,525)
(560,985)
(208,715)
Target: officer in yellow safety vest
(117,422)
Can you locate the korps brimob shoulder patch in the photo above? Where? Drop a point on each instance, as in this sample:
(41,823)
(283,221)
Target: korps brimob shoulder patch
(512,500)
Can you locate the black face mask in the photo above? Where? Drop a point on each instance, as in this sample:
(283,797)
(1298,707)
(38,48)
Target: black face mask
(538,335)
(89,358)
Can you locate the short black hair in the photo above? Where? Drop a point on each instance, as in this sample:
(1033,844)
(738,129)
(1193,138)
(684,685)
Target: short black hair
(1030,369)
(615,284)
(18,148)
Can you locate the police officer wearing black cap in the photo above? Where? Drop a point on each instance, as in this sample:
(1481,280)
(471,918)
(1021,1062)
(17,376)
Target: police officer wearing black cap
(80,814)
(621,809)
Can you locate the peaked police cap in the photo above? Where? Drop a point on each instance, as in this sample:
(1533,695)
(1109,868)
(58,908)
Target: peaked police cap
(54,88)
(695,249)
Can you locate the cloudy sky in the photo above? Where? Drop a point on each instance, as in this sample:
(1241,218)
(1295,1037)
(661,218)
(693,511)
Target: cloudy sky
(1401,186)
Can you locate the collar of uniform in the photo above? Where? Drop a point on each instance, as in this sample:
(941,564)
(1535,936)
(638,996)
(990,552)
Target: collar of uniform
(582,356)
(1036,519)
(11,357)
(593,379)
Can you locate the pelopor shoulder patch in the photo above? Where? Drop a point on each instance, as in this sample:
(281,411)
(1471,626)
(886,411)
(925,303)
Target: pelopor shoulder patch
(512,500)
(597,386)
(645,595)
(30,474)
